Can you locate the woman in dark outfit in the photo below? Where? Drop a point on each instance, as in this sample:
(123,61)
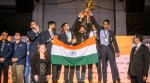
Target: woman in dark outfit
(40,65)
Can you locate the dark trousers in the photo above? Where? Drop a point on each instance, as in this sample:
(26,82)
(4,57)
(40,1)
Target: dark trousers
(4,68)
(82,77)
(137,79)
(98,65)
(71,74)
(31,54)
(56,72)
(107,54)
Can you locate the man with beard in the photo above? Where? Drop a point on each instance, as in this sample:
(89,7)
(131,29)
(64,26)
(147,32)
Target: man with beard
(81,36)
(67,37)
(6,50)
(34,36)
(47,38)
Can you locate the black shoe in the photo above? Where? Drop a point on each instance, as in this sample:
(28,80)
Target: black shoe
(114,81)
(65,82)
(82,81)
(99,81)
(105,81)
(90,81)
(55,81)
(118,80)
(70,82)
(79,81)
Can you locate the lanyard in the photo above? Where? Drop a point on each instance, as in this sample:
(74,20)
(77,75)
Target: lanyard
(3,43)
(69,35)
(105,34)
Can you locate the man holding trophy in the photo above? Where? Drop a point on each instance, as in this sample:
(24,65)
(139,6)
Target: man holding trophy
(115,74)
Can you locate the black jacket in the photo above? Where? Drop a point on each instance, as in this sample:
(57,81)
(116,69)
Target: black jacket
(35,65)
(34,41)
(63,36)
(46,39)
(112,41)
(139,61)
(80,38)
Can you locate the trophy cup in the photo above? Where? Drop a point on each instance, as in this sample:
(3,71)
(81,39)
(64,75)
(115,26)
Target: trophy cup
(89,6)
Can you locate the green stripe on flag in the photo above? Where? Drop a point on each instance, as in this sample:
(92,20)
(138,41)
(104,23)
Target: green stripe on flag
(70,61)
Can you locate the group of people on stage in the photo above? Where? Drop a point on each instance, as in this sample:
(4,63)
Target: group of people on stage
(34,55)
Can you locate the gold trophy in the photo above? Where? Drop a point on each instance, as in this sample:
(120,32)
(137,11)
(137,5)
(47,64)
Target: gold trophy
(89,6)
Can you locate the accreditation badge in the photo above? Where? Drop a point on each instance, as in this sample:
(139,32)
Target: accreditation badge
(69,40)
(106,40)
(52,41)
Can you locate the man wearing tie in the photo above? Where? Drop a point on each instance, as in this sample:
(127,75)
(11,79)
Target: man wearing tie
(108,48)
(5,55)
(139,61)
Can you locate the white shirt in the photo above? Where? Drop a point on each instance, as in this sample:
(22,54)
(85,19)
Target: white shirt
(92,33)
(137,47)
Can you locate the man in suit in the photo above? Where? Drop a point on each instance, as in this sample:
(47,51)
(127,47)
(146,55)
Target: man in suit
(34,36)
(47,39)
(108,50)
(47,36)
(92,31)
(67,37)
(18,59)
(5,55)
(139,61)
(81,36)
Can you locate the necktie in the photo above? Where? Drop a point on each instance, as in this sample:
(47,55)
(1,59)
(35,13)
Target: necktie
(135,49)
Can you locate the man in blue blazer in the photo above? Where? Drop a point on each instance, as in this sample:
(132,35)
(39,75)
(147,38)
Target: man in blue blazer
(18,59)
(5,55)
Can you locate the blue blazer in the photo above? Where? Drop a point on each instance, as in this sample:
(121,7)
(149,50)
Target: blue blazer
(20,52)
(7,51)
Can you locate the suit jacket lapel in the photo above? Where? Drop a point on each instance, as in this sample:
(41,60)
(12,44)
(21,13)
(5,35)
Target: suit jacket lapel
(132,52)
(110,35)
(138,49)
(0,44)
(48,33)
(6,42)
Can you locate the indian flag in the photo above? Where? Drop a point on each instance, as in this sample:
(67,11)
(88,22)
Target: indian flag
(85,53)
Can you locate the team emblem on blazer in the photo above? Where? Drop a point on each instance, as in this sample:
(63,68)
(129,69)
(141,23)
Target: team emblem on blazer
(8,44)
(20,45)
